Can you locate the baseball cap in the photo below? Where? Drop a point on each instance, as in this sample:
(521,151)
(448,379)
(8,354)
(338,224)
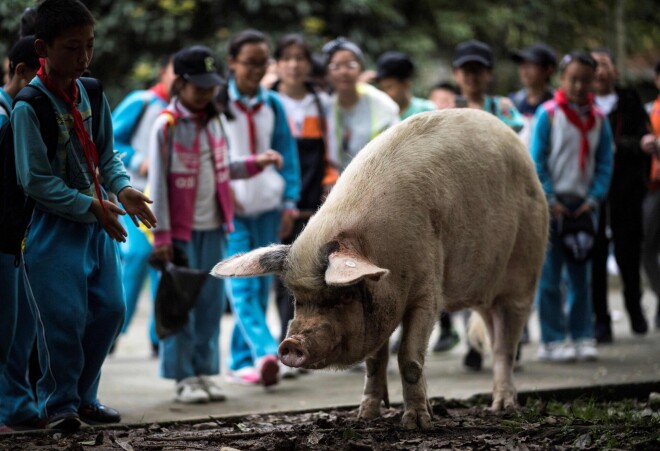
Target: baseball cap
(394,65)
(538,53)
(23,51)
(198,65)
(472,51)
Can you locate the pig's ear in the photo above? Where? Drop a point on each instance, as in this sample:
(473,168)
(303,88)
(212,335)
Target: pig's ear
(348,269)
(265,260)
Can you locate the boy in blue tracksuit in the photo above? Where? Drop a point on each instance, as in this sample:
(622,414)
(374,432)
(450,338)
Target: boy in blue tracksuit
(265,205)
(132,121)
(70,254)
(572,150)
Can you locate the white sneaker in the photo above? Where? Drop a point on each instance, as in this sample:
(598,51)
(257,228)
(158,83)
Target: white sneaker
(211,387)
(190,391)
(557,351)
(286,372)
(586,350)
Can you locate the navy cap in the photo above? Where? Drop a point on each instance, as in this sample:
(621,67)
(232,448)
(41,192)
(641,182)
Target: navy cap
(198,65)
(538,53)
(394,65)
(472,51)
(23,51)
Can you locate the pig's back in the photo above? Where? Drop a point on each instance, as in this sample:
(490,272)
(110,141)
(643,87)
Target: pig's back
(454,191)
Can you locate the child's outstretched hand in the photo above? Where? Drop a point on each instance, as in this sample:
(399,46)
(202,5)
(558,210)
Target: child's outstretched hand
(135,203)
(108,218)
(269,157)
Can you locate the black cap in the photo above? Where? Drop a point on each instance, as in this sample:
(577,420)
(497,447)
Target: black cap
(472,51)
(394,65)
(538,53)
(198,65)
(23,51)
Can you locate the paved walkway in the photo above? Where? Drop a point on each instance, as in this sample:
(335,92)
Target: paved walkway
(130,380)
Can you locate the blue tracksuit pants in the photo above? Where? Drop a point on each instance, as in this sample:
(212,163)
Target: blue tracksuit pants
(135,254)
(75,275)
(195,350)
(8,304)
(575,317)
(251,338)
(18,404)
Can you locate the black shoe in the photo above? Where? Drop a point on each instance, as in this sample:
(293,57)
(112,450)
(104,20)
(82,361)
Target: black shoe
(28,425)
(154,350)
(446,342)
(67,422)
(603,333)
(98,414)
(638,324)
(472,360)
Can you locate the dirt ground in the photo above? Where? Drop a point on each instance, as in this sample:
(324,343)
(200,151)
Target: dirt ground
(580,424)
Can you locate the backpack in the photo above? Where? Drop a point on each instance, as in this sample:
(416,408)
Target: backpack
(15,207)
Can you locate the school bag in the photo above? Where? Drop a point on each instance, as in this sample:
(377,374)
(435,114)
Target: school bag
(15,207)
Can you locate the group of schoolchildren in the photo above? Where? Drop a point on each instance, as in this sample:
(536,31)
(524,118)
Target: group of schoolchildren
(210,167)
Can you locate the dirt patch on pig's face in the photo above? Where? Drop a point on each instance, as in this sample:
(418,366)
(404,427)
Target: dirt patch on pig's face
(336,325)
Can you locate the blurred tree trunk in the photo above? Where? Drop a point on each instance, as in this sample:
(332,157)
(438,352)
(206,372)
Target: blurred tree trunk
(620,39)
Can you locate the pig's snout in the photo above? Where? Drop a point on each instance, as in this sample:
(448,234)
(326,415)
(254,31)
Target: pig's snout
(292,353)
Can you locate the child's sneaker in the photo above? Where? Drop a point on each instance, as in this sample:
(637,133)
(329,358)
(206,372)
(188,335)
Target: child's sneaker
(211,387)
(586,350)
(557,351)
(287,372)
(269,369)
(190,391)
(245,376)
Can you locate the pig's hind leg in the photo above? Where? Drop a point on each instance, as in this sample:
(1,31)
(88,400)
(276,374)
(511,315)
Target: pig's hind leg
(417,325)
(508,316)
(375,384)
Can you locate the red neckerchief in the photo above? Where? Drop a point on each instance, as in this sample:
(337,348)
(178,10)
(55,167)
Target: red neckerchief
(160,91)
(250,117)
(574,118)
(89,147)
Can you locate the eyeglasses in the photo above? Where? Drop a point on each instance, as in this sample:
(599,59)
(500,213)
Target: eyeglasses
(254,64)
(350,65)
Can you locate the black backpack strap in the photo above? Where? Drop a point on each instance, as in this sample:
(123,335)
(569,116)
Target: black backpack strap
(95,93)
(43,108)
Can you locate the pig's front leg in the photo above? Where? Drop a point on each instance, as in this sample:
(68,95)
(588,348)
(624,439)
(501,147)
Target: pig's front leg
(417,326)
(375,384)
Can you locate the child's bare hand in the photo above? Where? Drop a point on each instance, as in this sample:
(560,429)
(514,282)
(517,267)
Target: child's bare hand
(269,157)
(163,253)
(108,219)
(650,144)
(557,210)
(135,203)
(584,208)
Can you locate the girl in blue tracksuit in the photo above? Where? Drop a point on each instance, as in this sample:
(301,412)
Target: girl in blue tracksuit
(265,205)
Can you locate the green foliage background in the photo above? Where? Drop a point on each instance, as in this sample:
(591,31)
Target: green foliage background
(132,34)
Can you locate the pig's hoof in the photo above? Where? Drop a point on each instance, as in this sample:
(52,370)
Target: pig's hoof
(506,403)
(369,409)
(416,419)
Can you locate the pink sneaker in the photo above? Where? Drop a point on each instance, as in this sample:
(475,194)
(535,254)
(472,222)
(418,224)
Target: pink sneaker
(269,369)
(245,376)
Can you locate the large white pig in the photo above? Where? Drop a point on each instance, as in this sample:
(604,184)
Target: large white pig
(442,211)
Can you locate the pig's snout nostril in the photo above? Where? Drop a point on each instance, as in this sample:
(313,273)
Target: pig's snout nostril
(292,354)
